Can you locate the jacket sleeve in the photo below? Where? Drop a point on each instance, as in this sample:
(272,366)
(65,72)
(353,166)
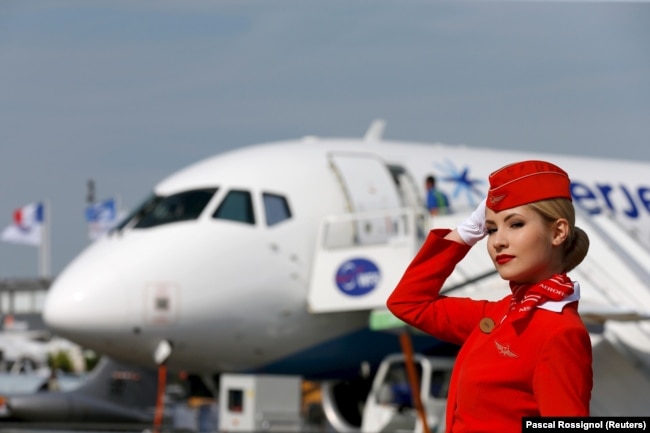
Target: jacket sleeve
(416,298)
(563,376)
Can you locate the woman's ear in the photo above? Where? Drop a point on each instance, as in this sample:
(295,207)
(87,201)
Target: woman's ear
(560,231)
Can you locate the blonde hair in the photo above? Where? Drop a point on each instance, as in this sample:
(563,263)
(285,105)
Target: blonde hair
(576,244)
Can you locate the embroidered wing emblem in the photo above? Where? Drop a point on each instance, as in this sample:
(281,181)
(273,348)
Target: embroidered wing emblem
(496,198)
(504,350)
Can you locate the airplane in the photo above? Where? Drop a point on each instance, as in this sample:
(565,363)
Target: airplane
(274,258)
(25,356)
(113,392)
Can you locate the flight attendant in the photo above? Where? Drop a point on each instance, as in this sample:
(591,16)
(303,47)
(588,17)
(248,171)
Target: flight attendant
(528,354)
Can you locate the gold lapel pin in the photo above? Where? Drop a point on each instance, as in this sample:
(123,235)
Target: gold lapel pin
(486,325)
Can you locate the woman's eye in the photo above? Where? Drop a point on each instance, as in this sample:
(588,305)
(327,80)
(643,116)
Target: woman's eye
(517,224)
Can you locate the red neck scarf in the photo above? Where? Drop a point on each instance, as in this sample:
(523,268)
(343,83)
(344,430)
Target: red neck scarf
(525,297)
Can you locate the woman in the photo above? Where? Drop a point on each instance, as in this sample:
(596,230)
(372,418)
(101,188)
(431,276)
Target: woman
(528,354)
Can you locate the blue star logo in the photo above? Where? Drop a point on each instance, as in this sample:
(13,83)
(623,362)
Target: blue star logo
(465,186)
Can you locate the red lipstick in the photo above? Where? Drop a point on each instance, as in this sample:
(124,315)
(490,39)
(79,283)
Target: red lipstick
(503,258)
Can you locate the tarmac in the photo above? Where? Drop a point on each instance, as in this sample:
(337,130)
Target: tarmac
(35,427)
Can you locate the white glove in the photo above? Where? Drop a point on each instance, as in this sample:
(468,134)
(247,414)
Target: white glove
(472,229)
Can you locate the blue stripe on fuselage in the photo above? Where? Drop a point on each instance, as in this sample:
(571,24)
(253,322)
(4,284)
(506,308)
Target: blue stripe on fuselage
(342,357)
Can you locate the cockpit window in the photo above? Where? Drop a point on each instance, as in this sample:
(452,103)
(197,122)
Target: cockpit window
(137,213)
(183,206)
(276,208)
(237,206)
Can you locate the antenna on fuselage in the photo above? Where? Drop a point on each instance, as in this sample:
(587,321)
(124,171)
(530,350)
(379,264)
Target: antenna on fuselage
(376,130)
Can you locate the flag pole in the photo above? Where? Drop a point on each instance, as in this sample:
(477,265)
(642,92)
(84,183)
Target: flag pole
(90,201)
(44,248)
(118,209)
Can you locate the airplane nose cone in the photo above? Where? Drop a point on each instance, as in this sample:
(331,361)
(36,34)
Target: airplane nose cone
(88,296)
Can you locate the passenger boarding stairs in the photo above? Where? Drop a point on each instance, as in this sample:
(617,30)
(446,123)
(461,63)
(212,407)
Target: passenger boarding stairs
(354,270)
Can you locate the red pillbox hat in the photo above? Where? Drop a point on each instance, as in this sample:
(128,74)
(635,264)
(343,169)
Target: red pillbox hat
(526,182)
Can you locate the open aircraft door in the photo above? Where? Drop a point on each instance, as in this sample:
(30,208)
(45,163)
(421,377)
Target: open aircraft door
(361,254)
(369,186)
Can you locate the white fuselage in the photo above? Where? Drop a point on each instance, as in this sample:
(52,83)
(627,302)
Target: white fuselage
(232,295)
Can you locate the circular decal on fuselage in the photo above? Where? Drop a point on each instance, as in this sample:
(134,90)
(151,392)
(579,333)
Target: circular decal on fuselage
(357,277)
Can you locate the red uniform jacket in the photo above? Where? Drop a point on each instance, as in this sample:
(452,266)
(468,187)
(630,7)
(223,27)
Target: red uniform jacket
(537,366)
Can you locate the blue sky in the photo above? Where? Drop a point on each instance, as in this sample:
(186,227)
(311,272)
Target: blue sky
(126,92)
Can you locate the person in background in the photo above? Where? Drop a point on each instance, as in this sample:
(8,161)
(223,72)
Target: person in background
(53,381)
(436,200)
(528,354)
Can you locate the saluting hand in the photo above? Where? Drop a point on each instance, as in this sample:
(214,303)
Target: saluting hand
(473,229)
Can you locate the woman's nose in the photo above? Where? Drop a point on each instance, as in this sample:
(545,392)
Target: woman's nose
(498,240)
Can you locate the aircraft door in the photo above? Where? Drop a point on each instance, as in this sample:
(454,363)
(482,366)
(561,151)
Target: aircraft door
(368,186)
(411,196)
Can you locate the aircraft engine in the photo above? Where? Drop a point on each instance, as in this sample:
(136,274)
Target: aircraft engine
(343,403)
